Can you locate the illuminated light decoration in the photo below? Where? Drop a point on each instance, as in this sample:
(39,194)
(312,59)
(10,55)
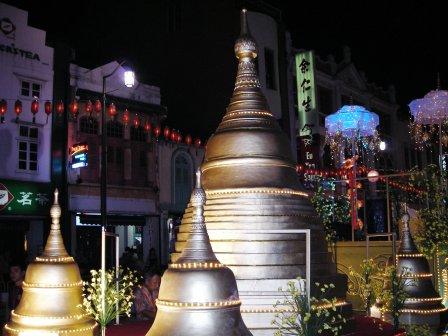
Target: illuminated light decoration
(112,111)
(43,285)
(179,138)
(73,107)
(411,299)
(147,126)
(136,121)
(419,275)
(339,303)
(197,143)
(60,107)
(156,131)
(197,265)
(258,190)
(3,109)
(98,107)
(34,109)
(38,332)
(173,136)
(129,78)
(126,116)
(382,145)
(47,109)
(55,260)
(89,108)
(410,255)
(373,176)
(79,155)
(424,311)
(166,133)
(430,115)
(188,139)
(17,108)
(198,304)
(352,125)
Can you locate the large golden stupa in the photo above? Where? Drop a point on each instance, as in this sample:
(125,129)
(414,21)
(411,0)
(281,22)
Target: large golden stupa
(198,295)
(52,293)
(255,200)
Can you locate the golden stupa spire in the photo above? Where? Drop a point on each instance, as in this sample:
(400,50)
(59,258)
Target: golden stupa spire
(198,295)
(55,244)
(198,247)
(52,292)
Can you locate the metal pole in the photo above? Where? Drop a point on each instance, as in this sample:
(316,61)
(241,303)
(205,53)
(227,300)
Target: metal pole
(354,195)
(103,198)
(387,205)
(117,274)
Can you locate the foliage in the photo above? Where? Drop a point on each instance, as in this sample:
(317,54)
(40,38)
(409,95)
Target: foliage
(299,317)
(394,294)
(433,234)
(418,330)
(123,296)
(367,284)
(331,209)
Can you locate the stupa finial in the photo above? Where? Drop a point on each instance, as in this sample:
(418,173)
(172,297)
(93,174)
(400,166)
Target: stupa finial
(407,242)
(245,46)
(55,244)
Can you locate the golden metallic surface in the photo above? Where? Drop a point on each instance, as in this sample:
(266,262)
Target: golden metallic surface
(52,293)
(251,183)
(198,295)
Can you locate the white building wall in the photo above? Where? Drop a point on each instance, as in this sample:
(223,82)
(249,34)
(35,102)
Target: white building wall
(24,57)
(264,30)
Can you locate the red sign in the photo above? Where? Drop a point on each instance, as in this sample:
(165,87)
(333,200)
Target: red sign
(79,148)
(5,197)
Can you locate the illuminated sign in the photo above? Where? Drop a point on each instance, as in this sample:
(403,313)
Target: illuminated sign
(78,155)
(306,94)
(24,198)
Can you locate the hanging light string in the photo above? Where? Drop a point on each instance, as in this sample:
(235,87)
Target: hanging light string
(170,134)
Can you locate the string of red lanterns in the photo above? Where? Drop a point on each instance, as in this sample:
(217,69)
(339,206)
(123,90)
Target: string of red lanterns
(89,107)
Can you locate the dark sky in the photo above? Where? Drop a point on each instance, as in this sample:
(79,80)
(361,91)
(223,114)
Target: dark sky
(393,42)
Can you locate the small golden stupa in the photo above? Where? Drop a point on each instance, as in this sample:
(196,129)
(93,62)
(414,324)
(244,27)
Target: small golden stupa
(52,293)
(198,295)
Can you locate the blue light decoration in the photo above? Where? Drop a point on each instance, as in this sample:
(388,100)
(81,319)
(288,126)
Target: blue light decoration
(352,127)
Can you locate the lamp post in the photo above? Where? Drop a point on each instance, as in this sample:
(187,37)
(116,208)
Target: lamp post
(129,80)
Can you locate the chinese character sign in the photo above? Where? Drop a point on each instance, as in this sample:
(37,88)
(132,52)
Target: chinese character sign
(24,198)
(306,93)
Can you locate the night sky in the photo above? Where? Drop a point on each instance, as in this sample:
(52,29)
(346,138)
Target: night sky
(392,42)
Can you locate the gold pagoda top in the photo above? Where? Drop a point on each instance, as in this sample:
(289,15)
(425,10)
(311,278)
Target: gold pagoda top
(249,149)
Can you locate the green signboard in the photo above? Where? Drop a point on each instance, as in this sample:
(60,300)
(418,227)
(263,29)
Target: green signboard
(24,198)
(306,94)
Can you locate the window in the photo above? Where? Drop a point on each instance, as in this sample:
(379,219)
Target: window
(182,179)
(114,155)
(28,148)
(114,129)
(30,89)
(143,159)
(138,134)
(88,125)
(269,64)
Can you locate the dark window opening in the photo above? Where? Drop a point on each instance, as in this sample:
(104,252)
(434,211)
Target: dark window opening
(138,134)
(114,129)
(88,125)
(269,64)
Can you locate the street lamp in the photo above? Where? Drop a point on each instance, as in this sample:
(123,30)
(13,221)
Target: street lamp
(129,79)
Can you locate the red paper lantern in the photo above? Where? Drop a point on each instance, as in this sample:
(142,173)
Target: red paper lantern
(136,121)
(47,108)
(197,142)
(112,111)
(166,133)
(73,107)
(188,139)
(34,109)
(17,108)
(178,138)
(125,117)
(89,107)
(3,108)
(173,136)
(97,106)
(156,131)
(147,126)
(59,107)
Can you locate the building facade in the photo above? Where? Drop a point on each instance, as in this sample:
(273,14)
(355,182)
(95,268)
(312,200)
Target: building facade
(338,83)
(148,176)
(26,84)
